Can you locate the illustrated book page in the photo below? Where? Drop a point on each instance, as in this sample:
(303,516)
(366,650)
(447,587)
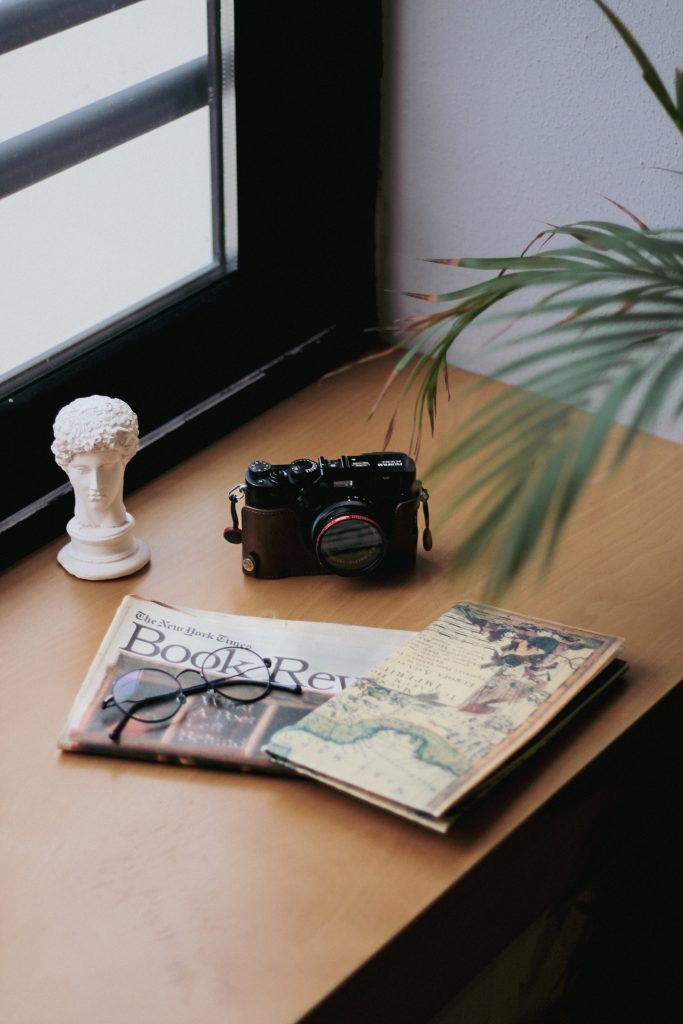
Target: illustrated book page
(451,709)
(208,730)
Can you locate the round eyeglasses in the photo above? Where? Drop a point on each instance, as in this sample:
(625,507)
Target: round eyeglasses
(153,695)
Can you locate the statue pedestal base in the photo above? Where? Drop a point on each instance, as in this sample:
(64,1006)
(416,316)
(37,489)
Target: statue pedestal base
(103,552)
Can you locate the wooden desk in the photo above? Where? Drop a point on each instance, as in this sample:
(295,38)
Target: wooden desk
(143,892)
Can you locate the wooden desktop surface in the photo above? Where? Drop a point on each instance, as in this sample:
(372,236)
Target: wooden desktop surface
(144,892)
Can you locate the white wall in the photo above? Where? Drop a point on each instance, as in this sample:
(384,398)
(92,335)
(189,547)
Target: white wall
(502,116)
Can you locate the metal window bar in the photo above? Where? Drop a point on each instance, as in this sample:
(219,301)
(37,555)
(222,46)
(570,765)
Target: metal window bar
(51,148)
(69,140)
(26,21)
(97,127)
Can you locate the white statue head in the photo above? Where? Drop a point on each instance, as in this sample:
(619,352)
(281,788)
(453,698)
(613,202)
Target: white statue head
(94,439)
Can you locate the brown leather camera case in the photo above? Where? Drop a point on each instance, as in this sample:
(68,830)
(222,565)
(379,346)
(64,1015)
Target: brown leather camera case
(273,544)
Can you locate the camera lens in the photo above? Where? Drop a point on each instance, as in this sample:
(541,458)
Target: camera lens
(348,541)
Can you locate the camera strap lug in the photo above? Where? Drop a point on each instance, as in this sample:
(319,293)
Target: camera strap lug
(426,533)
(233,534)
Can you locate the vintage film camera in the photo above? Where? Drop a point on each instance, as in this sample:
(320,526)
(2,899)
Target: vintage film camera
(351,516)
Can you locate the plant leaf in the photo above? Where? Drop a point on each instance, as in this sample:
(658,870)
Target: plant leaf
(523,458)
(649,74)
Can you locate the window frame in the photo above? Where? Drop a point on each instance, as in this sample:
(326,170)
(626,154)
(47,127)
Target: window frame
(301,301)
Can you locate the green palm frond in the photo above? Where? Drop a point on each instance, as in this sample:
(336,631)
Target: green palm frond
(609,346)
(654,82)
(596,335)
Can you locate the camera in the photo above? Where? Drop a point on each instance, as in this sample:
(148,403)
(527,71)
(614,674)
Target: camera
(355,515)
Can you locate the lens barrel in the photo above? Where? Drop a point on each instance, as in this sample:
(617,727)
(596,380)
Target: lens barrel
(348,540)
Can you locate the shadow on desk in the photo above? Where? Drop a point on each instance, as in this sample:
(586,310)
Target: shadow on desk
(610,949)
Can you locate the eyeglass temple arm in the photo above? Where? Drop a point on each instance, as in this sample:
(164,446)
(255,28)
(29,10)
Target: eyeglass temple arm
(287,687)
(119,727)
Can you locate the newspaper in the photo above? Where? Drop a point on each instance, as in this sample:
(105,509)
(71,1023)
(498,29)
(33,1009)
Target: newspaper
(308,663)
(459,704)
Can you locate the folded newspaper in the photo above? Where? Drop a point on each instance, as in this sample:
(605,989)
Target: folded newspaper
(437,722)
(307,663)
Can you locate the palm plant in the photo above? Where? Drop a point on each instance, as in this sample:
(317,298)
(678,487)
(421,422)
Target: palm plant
(598,336)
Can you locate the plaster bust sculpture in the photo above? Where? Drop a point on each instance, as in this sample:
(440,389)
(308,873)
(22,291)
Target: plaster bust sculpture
(94,439)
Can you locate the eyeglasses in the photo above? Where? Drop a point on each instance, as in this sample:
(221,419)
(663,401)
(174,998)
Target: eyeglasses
(154,695)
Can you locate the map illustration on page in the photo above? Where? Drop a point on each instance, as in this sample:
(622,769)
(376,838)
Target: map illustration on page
(448,710)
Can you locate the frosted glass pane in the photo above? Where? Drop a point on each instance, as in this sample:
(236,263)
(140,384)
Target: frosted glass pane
(63,72)
(79,248)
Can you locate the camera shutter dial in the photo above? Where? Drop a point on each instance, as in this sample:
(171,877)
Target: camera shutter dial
(259,468)
(303,467)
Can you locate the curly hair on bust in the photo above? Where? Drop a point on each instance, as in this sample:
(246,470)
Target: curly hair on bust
(92,424)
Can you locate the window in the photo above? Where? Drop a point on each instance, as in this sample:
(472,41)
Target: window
(110,179)
(159,304)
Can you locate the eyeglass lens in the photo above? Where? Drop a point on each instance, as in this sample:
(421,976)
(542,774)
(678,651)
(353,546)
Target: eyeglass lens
(147,694)
(237,672)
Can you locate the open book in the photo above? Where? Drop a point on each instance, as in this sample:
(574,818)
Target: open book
(307,663)
(437,722)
